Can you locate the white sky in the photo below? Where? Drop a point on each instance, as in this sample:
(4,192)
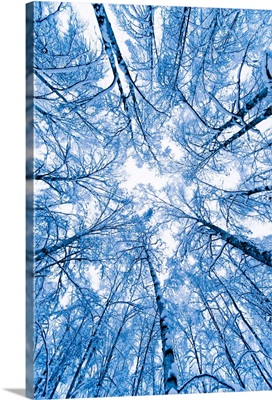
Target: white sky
(143,175)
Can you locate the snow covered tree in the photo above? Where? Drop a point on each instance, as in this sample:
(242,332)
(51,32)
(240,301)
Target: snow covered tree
(152,200)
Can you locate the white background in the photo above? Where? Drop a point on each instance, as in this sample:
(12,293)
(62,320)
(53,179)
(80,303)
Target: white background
(12,186)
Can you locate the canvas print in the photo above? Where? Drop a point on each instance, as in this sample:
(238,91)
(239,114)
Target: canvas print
(149,262)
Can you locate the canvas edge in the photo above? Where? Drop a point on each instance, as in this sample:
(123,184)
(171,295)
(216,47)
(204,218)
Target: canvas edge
(29,42)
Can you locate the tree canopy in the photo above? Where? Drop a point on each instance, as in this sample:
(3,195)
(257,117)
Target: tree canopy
(152,200)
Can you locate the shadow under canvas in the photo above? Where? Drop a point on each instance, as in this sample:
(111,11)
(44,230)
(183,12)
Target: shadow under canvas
(19,392)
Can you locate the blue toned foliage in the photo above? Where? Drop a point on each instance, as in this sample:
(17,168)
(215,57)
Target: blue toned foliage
(152,198)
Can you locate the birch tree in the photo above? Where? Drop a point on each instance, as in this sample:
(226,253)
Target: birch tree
(152,200)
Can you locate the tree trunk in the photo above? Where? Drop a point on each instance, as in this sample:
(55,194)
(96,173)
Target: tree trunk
(246,247)
(222,339)
(169,365)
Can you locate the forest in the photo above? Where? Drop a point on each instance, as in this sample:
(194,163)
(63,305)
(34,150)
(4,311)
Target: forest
(152,200)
